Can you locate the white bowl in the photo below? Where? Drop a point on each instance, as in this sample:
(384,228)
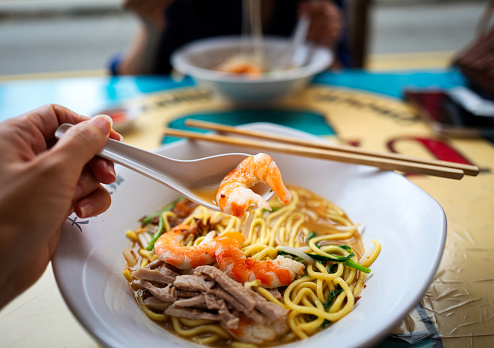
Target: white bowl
(410,225)
(198,58)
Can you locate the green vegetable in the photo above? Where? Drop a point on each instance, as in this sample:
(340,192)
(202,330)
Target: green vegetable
(329,302)
(346,260)
(358,267)
(273,209)
(169,207)
(333,268)
(312,235)
(334,258)
(331,297)
(157,234)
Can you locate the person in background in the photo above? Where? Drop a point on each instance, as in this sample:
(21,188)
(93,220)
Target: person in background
(166,25)
(44,181)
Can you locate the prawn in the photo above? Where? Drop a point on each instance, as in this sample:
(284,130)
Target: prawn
(234,195)
(225,250)
(168,249)
(240,65)
(257,333)
(271,273)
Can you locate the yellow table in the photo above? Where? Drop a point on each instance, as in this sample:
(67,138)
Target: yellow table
(458,308)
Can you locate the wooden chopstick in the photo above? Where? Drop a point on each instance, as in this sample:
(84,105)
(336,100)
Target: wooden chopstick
(466,168)
(383,163)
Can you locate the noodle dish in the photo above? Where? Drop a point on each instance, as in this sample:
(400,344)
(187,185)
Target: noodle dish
(334,253)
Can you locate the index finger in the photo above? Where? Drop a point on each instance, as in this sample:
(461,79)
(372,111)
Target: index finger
(48,118)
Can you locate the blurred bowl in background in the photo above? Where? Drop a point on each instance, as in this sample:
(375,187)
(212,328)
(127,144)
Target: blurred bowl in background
(199,58)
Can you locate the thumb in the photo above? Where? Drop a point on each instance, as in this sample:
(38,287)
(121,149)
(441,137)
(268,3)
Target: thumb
(83,141)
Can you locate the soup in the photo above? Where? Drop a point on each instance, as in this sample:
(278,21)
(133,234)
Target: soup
(211,302)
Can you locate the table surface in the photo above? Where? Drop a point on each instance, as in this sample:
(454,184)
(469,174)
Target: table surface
(458,308)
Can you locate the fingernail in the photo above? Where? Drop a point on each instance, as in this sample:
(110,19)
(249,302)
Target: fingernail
(104,122)
(78,192)
(111,170)
(86,210)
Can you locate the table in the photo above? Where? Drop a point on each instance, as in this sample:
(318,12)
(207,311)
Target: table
(354,107)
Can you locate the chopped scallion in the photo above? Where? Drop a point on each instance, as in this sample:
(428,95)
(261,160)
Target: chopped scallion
(168,207)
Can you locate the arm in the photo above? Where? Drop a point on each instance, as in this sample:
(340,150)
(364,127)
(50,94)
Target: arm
(326,27)
(140,57)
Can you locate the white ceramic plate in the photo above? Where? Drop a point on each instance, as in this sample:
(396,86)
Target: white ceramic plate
(410,225)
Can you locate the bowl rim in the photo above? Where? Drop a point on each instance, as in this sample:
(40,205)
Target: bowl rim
(182,66)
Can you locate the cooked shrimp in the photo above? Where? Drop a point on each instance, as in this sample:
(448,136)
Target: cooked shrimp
(271,273)
(257,333)
(240,65)
(234,195)
(168,249)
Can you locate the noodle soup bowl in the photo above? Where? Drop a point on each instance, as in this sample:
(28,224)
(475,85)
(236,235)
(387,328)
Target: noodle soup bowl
(198,59)
(409,224)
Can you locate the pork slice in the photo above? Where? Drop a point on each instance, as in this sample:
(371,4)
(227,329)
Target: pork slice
(166,268)
(156,304)
(191,313)
(234,288)
(270,309)
(153,275)
(238,305)
(155,264)
(212,302)
(186,294)
(229,319)
(276,293)
(167,294)
(193,283)
(196,302)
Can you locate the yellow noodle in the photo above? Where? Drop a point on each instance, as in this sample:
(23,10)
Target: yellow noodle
(206,340)
(294,325)
(288,225)
(144,262)
(242,345)
(269,296)
(370,260)
(131,235)
(144,253)
(152,315)
(266,253)
(128,275)
(198,330)
(166,215)
(198,240)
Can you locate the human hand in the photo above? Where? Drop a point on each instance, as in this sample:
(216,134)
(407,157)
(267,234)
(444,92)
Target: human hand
(151,12)
(326,22)
(43,182)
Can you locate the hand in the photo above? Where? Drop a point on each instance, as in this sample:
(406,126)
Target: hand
(326,21)
(151,12)
(43,182)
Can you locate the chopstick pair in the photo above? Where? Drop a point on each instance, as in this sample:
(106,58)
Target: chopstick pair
(345,154)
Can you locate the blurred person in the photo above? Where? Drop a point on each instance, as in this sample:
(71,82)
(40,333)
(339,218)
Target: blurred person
(44,181)
(166,25)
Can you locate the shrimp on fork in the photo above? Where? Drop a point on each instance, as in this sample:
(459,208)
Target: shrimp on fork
(168,249)
(234,195)
(271,273)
